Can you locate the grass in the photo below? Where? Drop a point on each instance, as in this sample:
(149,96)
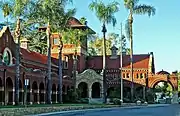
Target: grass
(45,108)
(41,105)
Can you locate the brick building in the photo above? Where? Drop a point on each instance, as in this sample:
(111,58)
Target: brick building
(34,67)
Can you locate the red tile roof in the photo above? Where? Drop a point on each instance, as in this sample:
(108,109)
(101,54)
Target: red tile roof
(140,61)
(36,57)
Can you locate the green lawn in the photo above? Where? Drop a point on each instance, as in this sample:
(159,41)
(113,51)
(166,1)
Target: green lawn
(45,108)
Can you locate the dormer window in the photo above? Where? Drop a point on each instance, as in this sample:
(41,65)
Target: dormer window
(113,52)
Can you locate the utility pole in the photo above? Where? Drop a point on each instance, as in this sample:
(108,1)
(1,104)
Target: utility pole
(121,61)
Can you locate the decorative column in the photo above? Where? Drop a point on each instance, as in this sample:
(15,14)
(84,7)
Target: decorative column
(44,92)
(90,93)
(13,98)
(31,96)
(56,94)
(38,96)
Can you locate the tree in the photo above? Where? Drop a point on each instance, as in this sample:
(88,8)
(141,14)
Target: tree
(139,9)
(77,37)
(6,8)
(16,9)
(51,14)
(95,46)
(105,14)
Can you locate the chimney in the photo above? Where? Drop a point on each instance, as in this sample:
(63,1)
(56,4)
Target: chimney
(24,43)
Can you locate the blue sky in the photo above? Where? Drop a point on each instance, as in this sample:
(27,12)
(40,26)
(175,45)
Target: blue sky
(158,34)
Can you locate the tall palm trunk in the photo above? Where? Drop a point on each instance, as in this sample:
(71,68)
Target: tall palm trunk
(60,71)
(17,35)
(74,69)
(49,64)
(104,62)
(131,54)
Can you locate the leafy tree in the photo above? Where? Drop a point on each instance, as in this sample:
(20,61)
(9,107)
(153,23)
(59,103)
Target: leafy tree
(16,9)
(77,37)
(96,47)
(139,9)
(51,14)
(105,14)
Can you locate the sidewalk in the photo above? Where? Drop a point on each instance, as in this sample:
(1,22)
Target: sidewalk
(73,112)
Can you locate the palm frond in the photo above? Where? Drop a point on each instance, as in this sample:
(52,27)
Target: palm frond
(105,13)
(144,9)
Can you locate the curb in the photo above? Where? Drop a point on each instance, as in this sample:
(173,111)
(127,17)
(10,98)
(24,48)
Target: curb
(76,112)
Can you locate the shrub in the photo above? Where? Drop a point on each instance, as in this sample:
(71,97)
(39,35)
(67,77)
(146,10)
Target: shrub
(117,101)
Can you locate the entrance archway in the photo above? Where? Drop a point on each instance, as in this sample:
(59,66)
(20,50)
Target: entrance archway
(34,91)
(96,90)
(53,95)
(163,89)
(83,88)
(9,90)
(41,92)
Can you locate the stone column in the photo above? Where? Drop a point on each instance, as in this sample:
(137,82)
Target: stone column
(2,95)
(13,98)
(44,92)
(38,96)
(31,97)
(56,96)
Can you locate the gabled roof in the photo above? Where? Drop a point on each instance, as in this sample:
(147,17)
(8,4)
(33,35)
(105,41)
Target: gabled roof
(140,61)
(28,55)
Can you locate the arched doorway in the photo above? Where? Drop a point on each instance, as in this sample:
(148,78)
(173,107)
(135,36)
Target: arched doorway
(41,92)
(28,93)
(21,95)
(9,91)
(1,91)
(163,89)
(96,90)
(83,89)
(35,91)
(53,95)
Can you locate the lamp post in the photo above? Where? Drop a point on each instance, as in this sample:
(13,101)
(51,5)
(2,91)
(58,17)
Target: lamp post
(121,63)
(104,30)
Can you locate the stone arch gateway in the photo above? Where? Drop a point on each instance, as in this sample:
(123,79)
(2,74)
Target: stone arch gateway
(90,77)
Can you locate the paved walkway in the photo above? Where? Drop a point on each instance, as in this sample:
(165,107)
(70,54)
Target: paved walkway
(77,112)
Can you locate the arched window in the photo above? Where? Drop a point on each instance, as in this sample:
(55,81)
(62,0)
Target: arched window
(141,75)
(137,75)
(7,56)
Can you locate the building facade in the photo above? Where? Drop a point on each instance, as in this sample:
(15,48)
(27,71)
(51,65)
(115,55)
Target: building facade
(33,67)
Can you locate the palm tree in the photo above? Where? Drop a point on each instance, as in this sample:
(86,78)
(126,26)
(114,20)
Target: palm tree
(16,9)
(52,14)
(6,8)
(105,14)
(140,9)
(77,38)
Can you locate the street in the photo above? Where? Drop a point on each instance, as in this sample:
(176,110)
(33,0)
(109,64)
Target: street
(171,110)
